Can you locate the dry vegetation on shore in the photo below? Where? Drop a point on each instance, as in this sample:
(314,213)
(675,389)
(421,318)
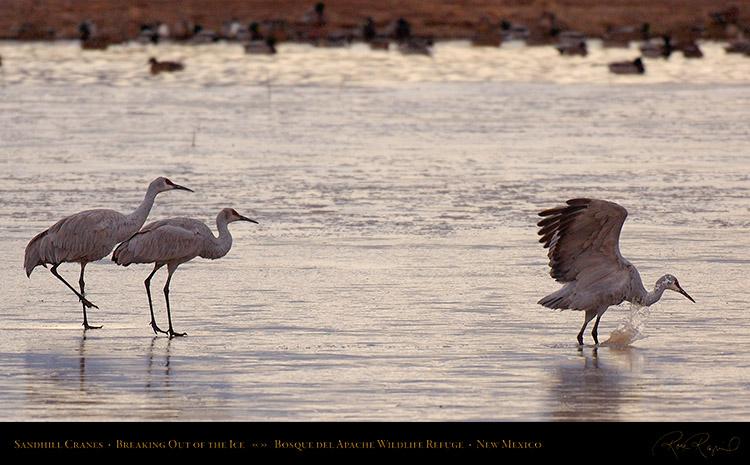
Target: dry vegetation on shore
(122,19)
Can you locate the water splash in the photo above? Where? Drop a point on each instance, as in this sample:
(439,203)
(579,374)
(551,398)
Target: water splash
(632,328)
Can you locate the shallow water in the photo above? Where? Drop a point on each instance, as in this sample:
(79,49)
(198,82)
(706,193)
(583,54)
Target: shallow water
(395,269)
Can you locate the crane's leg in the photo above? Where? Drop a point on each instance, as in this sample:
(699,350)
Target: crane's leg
(166,297)
(590,314)
(147,282)
(595,331)
(85,302)
(81,284)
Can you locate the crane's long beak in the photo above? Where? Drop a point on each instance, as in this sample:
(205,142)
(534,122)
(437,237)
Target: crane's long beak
(244,218)
(682,291)
(177,186)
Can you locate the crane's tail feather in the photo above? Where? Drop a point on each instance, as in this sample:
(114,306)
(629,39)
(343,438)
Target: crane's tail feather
(556,300)
(120,253)
(129,252)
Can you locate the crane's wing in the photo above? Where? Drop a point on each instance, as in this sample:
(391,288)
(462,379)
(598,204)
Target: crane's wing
(85,236)
(583,237)
(159,242)
(81,228)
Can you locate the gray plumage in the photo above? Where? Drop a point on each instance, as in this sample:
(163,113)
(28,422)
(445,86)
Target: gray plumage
(88,236)
(172,242)
(584,254)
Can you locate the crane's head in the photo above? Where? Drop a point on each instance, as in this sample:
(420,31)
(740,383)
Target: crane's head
(162,184)
(231,215)
(670,282)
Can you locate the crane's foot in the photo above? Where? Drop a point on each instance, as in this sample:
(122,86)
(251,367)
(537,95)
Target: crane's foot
(88,326)
(88,304)
(156,329)
(172,334)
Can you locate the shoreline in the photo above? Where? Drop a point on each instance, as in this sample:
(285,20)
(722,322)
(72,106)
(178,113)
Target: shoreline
(124,20)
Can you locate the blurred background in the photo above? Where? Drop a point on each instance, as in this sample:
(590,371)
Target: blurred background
(122,20)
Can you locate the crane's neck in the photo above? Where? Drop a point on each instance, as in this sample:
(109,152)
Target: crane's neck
(652,297)
(135,220)
(219,246)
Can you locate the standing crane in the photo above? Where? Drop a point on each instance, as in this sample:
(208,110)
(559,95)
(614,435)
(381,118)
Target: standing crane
(89,236)
(584,254)
(173,242)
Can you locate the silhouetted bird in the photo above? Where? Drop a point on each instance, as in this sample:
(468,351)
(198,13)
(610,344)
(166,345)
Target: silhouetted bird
(164,66)
(628,67)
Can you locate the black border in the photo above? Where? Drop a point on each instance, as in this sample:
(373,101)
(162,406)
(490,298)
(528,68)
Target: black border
(658,442)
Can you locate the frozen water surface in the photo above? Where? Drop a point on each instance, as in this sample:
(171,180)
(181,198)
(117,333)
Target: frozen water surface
(395,269)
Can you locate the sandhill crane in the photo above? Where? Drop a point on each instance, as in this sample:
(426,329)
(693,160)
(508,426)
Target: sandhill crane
(88,236)
(164,66)
(172,242)
(584,254)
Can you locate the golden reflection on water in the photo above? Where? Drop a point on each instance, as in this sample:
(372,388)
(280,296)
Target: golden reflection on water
(395,271)
(598,388)
(226,64)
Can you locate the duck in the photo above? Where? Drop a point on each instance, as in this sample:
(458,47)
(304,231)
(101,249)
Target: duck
(400,30)
(486,35)
(690,49)
(90,39)
(416,46)
(570,37)
(628,67)
(617,37)
(261,47)
(203,36)
(657,50)
(96,43)
(380,43)
(569,49)
(164,66)
(368,33)
(738,46)
(335,39)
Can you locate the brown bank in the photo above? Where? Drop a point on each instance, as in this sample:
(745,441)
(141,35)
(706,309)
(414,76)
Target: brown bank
(124,19)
